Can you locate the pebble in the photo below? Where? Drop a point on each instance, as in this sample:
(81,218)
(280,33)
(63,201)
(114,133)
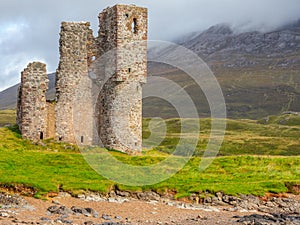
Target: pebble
(56,202)
(106,217)
(4,214)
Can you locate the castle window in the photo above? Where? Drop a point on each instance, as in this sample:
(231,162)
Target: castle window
(129,70)
(127,15)
(60,138)
(81,140)
(93,58)
(134,26)
(41,135)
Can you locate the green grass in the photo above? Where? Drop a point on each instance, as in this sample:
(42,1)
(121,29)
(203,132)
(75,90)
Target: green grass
(243,137)
(256,157)
(55,166)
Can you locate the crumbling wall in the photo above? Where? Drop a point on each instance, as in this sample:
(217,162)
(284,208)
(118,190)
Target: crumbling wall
(76,54)
(32,108)
(123,33)
(110,102)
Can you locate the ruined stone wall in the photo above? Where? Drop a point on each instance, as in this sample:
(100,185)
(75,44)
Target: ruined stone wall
(32,108)
(76,53)
(123,31)
(110,103)
(51,118)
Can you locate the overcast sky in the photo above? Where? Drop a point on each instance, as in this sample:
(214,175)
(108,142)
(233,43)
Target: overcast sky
(29,29)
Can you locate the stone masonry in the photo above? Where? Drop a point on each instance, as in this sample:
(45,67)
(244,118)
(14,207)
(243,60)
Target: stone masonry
(123,31)
(105,110)
(73,66)
(32,113)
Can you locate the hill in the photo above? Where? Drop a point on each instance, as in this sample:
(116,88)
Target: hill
(8,97)
(259,73)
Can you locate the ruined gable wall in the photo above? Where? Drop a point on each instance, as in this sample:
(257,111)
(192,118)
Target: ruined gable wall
(32,109)
(76,54)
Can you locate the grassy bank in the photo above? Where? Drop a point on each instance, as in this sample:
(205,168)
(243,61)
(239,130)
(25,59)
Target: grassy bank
(256,157)
(59,166)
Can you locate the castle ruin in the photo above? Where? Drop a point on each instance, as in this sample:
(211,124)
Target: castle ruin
(98,84)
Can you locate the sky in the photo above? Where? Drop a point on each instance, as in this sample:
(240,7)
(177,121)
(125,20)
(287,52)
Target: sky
(29,29)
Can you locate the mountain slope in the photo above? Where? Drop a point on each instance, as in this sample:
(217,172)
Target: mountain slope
(259,73)
(8,97)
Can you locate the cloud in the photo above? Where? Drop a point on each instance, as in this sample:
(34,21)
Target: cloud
(30,29)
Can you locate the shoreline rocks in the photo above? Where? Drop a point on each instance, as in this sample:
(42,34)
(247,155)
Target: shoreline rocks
(244,209)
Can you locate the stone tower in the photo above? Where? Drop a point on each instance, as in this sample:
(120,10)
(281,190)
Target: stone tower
(32,107)
(123,32)
(106,110)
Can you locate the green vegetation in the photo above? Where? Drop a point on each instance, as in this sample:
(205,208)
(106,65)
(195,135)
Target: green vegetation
(51,166)
(251,93)
(7,117)
(243,137)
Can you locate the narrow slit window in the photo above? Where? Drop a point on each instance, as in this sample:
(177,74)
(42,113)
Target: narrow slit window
(129,70)
(41,136)
(134,26)
(81,140)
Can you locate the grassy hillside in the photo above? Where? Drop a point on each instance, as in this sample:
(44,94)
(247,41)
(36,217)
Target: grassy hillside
(243,137)
(53,166)
(273,135)
(250,93)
